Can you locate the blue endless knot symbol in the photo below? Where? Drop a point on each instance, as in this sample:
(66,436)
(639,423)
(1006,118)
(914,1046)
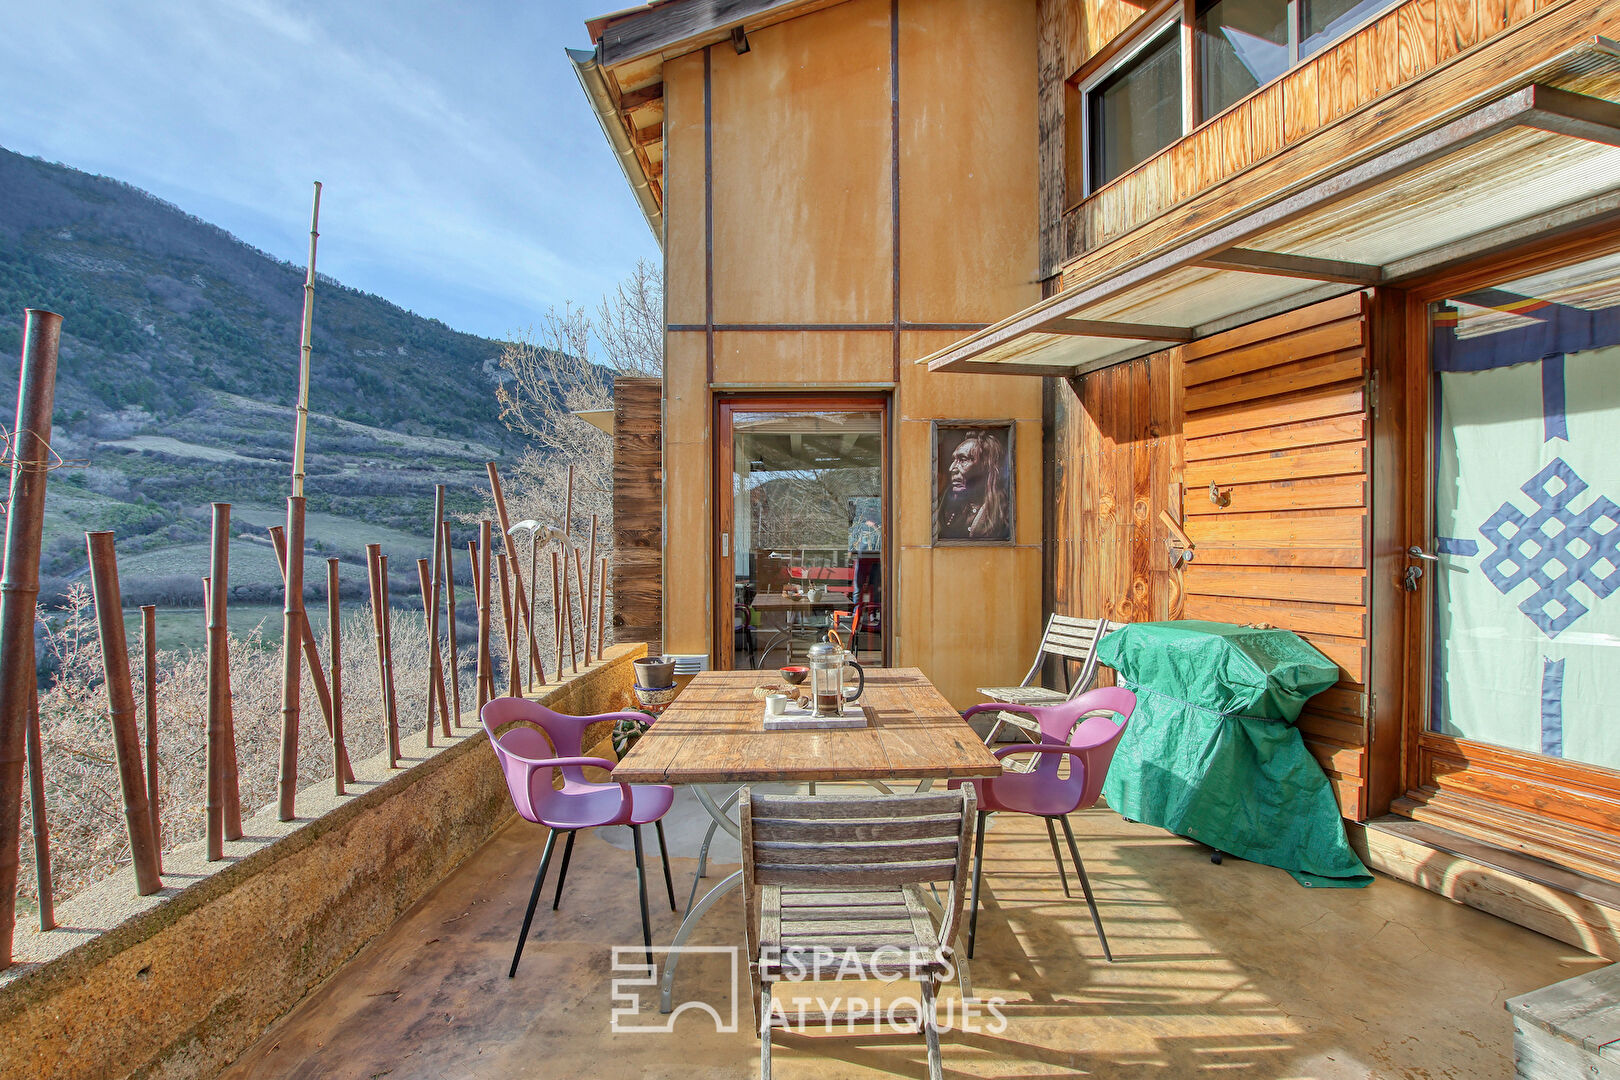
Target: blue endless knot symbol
(1554,548)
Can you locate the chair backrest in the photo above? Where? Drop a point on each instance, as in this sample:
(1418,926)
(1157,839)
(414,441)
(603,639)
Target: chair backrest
(1086,723)
(1071,638)
(553,735)
(854,841)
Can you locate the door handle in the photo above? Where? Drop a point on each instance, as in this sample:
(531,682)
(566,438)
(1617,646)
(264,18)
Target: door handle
(1415,552)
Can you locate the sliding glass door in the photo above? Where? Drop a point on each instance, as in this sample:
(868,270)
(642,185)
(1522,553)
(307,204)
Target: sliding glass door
(802,527)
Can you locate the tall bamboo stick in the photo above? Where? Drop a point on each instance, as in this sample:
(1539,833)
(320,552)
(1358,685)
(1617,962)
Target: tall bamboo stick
(422,573)
(506,545)
(436,658)
(480,691)
(292,635)
(121,704)
(536,668)
(584,612)
(450,605)
(305,346)
(590,595)
(334,619)
(513,689)
(486,682)
(557,615)
(36,807)
(19,592)
(373,575)
(388,653)
(149,683)
(215,590)
(312,652)
(230,798)
(601,609)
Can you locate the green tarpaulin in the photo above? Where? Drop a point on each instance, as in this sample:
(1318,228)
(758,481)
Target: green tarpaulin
(1212,752)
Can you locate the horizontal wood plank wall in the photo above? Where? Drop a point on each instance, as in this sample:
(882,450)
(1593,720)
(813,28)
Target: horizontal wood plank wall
(1406,42)
(638,511)
(1278,501)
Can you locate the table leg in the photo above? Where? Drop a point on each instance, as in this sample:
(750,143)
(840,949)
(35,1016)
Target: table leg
(666,986)
(708,838)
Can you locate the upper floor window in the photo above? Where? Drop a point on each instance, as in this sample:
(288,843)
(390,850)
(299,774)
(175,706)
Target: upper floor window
(1323,21)
(1135,110)
(1240,45)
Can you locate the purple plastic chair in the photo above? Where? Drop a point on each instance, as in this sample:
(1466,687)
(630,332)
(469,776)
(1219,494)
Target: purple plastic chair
(527,758)
(1073,729)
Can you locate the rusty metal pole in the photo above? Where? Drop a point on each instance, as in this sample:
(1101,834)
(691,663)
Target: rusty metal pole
(601,609)
(436,656)
(374,578)
(215,589)
(507,619)
(486,683)
(19,592)
(292,635)
(312,652)
(121,703)
(426,587)
(36,806)
(388,654)
(340,755)
(506,545)
(149,684)
(450,606)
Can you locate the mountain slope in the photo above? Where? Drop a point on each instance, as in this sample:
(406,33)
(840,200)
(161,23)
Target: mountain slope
(178,368)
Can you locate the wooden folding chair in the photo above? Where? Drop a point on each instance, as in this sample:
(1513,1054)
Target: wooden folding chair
(1066,636)
(832,880)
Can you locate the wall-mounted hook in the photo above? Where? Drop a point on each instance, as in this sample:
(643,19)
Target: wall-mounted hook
(1219,497)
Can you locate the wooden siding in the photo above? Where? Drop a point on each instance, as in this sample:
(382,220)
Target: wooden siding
(1474,40)
(638,512)
(1274,414)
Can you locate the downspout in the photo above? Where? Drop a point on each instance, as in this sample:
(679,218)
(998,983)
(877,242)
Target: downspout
(594,83)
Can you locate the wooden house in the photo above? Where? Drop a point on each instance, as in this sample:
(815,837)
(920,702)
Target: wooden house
(1324,293)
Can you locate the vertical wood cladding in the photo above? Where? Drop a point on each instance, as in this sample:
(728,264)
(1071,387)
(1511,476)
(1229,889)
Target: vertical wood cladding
(638,511)
(1274,416)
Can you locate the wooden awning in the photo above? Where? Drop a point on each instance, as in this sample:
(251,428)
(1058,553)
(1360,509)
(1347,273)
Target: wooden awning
(1534,159)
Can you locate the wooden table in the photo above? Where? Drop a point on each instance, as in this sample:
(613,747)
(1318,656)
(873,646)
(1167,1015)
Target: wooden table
(795,609)
(714,733)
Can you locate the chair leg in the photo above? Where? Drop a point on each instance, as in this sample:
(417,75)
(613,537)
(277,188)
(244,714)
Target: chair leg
(562,873)
(1051,834)
(765,1032)
(641,883)
(1085,886)
(978,871)
(936,1069)
(534,898)
(663,853)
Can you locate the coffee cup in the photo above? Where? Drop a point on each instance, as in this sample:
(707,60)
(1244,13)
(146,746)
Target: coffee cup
(776,704)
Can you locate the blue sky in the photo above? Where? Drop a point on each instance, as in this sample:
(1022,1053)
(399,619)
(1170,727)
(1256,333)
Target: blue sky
(465,176)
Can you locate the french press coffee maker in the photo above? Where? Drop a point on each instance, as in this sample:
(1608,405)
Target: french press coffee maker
(829,690)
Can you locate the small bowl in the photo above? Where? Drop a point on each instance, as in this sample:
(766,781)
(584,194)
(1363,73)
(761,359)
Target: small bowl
(794,675)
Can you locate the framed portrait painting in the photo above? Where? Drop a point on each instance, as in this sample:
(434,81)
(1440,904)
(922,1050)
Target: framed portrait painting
(973,482)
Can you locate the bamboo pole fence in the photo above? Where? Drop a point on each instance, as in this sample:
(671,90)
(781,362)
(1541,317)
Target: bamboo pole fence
(334,619)
(149,684)
(499,497)
(486,683)
(121,705)
(601,608)
(374,577)
(19,592)
(292,630)
(388,653)
(36,807)
(590,596)
(312,656)
(435,655)
(450,605)
(556,615)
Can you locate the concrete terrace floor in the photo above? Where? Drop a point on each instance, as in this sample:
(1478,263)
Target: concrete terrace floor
(1230,971)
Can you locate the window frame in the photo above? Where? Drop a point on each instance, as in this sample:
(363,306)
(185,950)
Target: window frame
(1141,41)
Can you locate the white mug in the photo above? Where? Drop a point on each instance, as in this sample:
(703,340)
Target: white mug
(776,704)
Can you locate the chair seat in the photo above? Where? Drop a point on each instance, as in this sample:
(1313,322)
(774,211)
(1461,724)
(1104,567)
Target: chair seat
(1023,695)
(590,805)
(811,932)
(1024,793)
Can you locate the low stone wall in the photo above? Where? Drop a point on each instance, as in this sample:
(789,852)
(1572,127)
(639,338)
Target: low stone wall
(178,984)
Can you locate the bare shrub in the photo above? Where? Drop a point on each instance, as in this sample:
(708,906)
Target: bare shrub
(84,808)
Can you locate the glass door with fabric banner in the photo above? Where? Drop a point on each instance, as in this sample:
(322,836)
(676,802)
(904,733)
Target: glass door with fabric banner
(1524,556)
(802,528)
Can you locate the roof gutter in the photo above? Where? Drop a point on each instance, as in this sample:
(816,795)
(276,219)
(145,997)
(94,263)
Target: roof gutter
(594,83)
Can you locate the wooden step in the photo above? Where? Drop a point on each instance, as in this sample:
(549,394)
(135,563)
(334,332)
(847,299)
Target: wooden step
(1576,908)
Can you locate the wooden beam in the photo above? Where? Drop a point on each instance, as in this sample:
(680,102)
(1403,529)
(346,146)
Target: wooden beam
(1282,264)
(668,25)
(632,100)
(990,367)
(1098,328)
(648,135)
